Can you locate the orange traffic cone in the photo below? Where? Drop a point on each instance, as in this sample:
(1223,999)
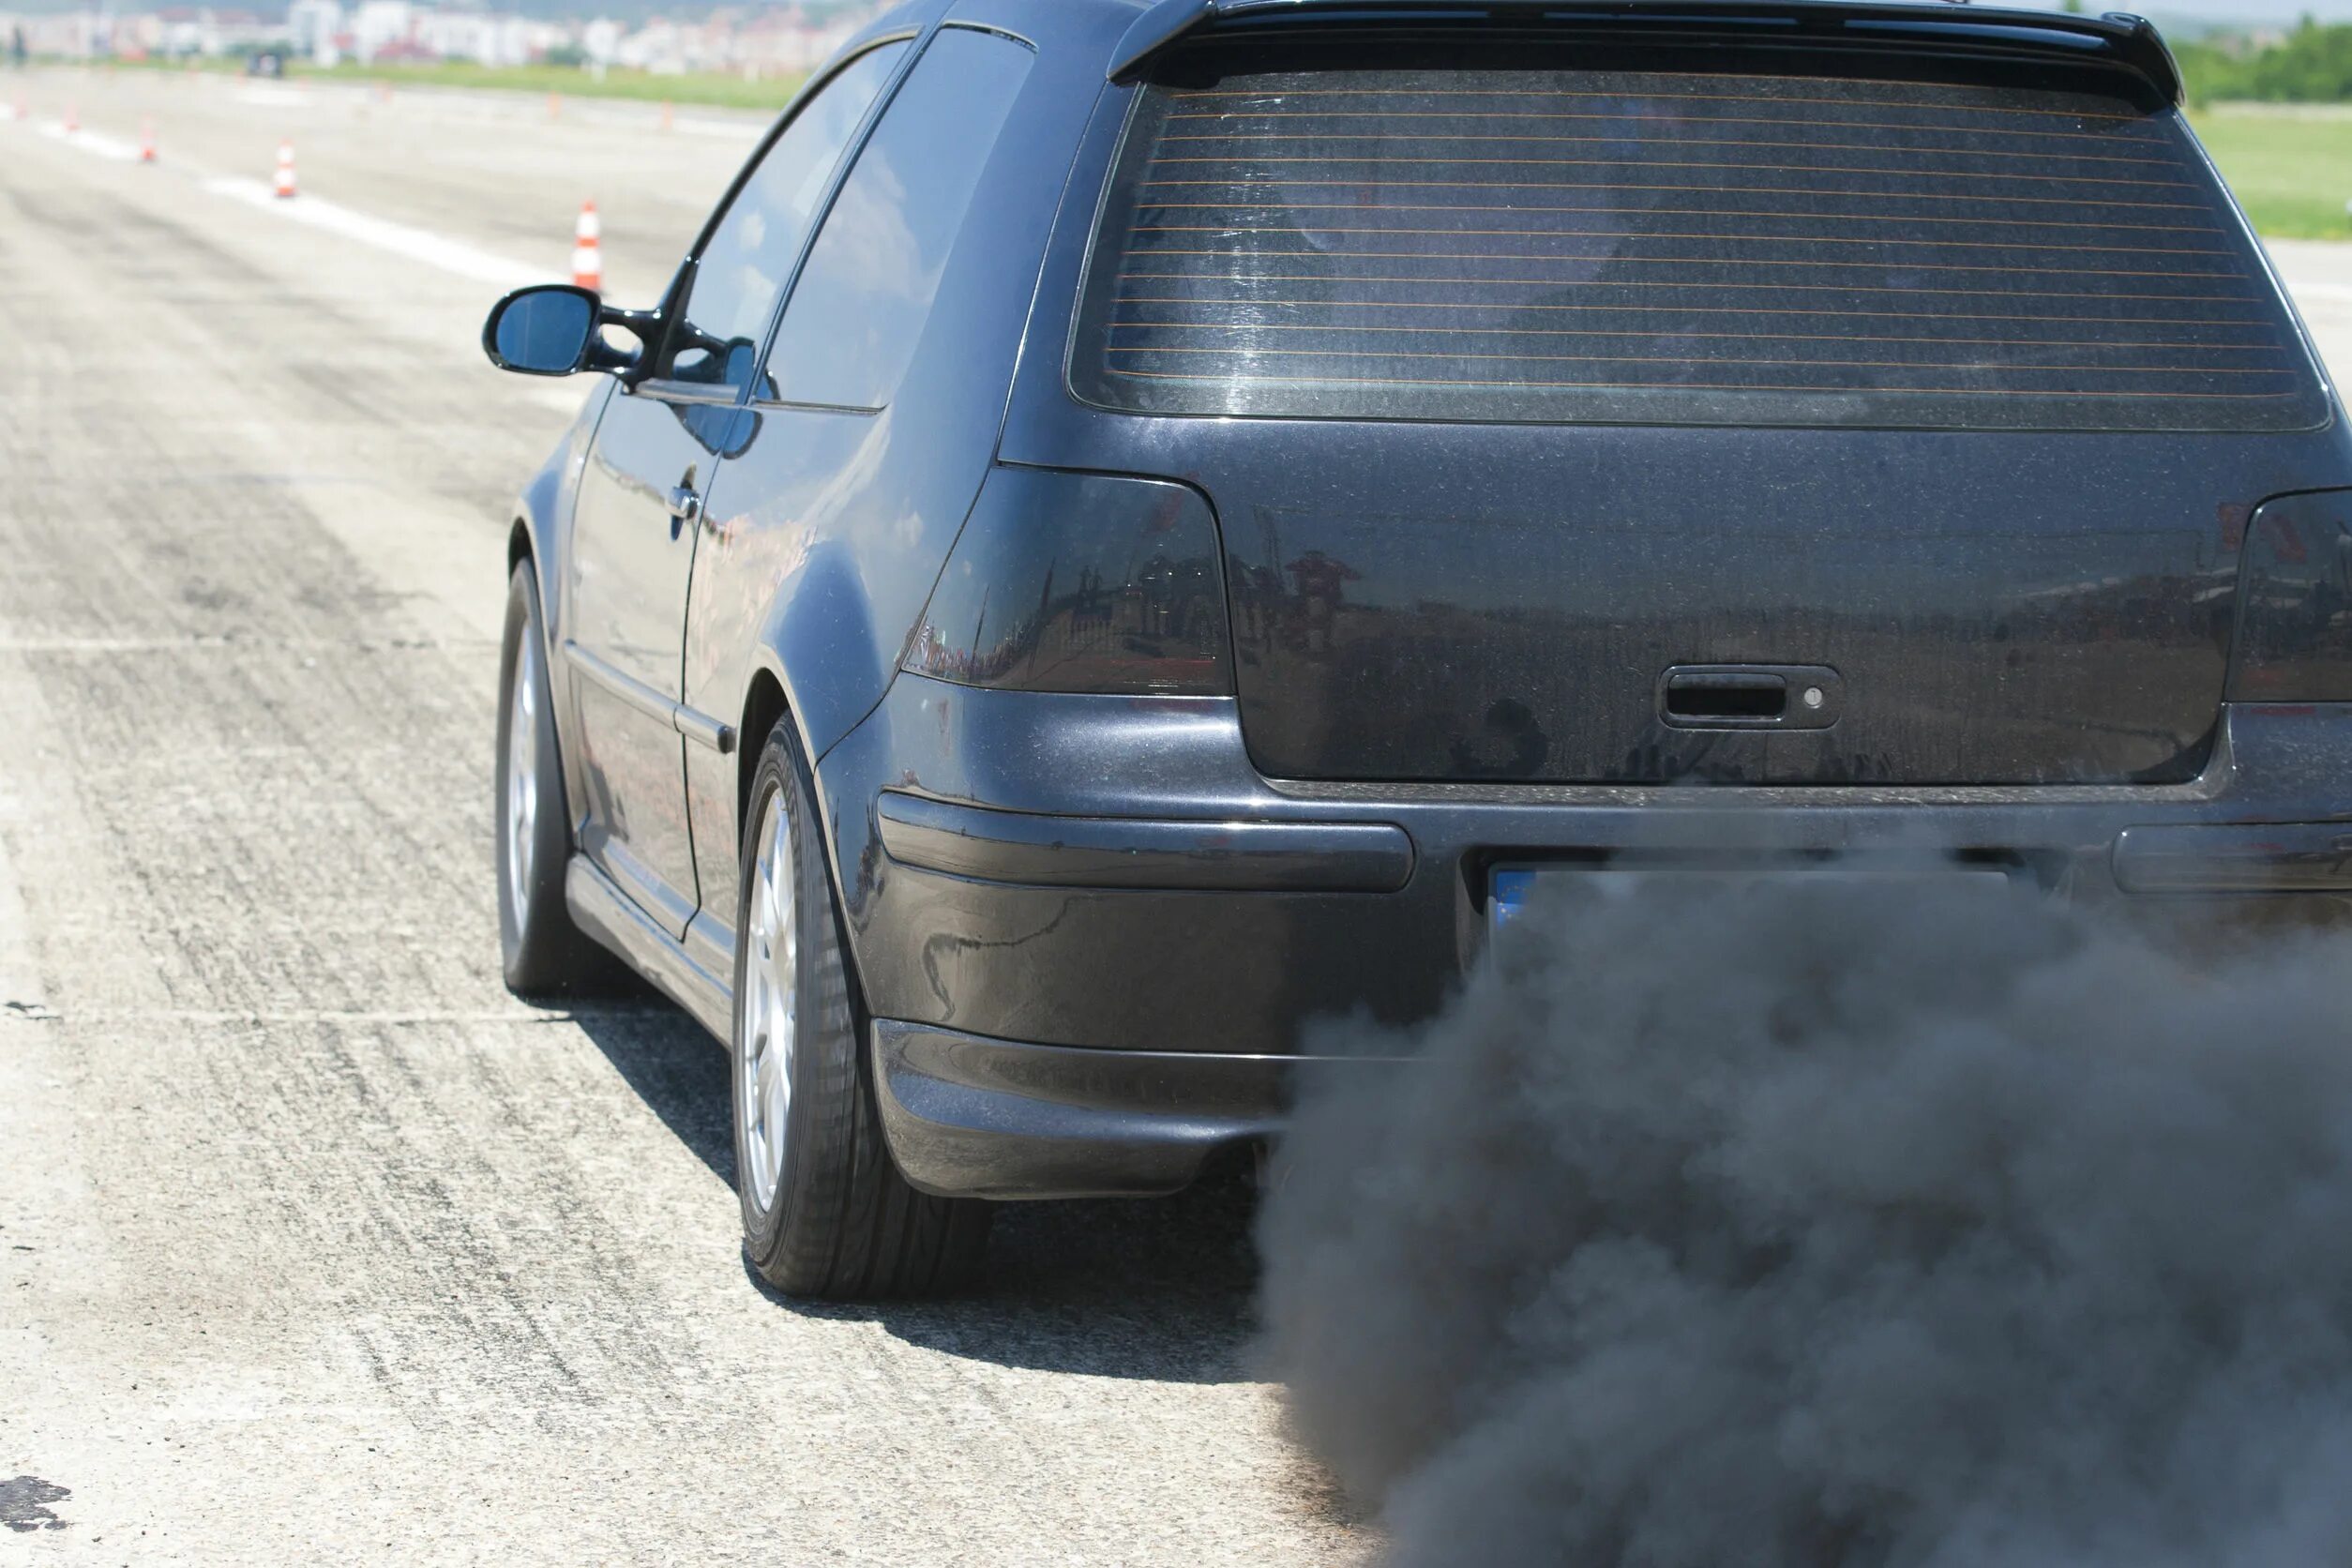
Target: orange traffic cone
(587,260)
(146,141)
(73,119)
(285,182)
(556,106)
(668,115)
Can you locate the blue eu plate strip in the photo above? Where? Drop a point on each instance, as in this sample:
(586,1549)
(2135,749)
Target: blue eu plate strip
(1506,892)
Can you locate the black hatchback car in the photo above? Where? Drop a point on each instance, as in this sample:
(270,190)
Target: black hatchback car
(1137,528)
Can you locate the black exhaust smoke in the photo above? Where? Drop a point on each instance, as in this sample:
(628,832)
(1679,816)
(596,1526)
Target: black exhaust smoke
(1837,1224)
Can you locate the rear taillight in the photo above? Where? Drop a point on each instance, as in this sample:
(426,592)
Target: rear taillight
(1080,582)
(2295,602)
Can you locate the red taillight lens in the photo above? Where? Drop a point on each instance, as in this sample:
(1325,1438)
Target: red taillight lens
(1081,582)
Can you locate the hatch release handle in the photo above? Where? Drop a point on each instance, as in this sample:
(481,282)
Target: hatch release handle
(1750,696)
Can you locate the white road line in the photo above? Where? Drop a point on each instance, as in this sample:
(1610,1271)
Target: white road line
(418,244)
(274,98)
(90,142)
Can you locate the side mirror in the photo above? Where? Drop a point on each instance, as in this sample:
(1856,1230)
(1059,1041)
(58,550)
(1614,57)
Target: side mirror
(550,329)
(544,330)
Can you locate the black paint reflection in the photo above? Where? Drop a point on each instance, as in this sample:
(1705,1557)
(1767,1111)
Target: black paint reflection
(1080,582)
(1444,645)
(2296,641)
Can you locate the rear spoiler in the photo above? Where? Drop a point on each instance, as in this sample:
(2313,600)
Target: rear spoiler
(2117,38)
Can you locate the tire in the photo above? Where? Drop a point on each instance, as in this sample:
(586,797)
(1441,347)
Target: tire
(825,1213)
(541,951)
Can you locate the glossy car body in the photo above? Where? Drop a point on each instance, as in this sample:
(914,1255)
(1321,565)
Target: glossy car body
(1089,926)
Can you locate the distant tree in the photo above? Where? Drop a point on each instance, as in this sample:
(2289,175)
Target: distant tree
(568,54)
(2311,64)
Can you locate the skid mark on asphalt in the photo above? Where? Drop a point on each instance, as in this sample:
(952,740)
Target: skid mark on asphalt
(341,1252)
(405,240)
(512,191)
(187,642)
(281,896)
(389,1019)
(388,393)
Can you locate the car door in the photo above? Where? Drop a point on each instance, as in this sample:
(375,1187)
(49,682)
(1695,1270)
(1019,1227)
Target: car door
(654,462)
(876,410)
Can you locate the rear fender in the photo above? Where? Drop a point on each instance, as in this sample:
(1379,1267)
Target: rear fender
(815,643)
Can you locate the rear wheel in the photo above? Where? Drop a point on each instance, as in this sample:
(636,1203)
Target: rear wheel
(543,953)
(825,1212)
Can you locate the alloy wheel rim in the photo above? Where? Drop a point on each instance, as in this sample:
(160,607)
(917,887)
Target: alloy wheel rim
(522,777)
(766,1025)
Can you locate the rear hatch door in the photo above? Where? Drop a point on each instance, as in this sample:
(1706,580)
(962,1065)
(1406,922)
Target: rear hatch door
(1546,395)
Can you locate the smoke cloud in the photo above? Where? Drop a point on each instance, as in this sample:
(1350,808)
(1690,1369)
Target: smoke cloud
(1837,1224)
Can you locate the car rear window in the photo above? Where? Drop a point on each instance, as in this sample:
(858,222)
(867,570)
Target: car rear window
(1676,246)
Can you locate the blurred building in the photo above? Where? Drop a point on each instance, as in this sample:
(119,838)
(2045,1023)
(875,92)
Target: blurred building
(752,41)
(314,27)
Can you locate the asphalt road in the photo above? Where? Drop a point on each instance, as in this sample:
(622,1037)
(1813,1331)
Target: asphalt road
(314,1245)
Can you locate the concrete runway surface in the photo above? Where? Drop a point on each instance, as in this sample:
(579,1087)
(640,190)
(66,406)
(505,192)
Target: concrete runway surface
(313,1244)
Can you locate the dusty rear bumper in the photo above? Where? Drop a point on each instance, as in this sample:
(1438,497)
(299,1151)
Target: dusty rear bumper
(1096,939)
(2236,858)
(977,1117)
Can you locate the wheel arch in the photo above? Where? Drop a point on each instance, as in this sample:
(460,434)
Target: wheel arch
(812,661)
(763,704)
(770,699)
(841,828)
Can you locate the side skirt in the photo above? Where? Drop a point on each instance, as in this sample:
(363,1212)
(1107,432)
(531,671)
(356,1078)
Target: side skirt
(605,912)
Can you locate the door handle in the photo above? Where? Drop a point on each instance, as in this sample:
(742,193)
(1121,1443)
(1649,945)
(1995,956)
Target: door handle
(1749,697)
(685,505)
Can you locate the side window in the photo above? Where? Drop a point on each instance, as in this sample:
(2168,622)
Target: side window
(862,298)
(752,251)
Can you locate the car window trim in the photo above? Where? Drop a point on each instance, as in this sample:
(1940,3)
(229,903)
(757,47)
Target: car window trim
(790,116)
(682,288)
(841,177)
(1121,105)
(801,405)
(700,393)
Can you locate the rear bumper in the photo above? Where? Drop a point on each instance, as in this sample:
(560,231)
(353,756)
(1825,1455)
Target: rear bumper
(2236,858)
(1139,853)
(1142,854)
(985,1118)
(1098,939)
